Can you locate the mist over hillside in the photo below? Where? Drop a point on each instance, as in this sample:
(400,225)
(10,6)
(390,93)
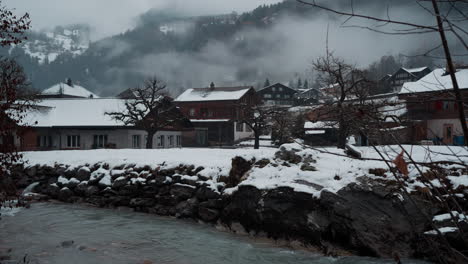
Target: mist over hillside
(278,42)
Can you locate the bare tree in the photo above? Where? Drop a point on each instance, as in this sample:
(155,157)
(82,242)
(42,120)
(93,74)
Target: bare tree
(257,118)
(13,97)
(341,82)
(150,109)
(445,23)
(282,125)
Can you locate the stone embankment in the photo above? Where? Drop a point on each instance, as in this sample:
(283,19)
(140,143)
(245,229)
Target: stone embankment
(369,217)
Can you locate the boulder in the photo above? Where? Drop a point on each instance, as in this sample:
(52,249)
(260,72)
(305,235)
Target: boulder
(186,209)
(214,204)
(239,167)
(119,182)
(129,190)
(31,171)
(142,202)
(205,193)
(52,190)
(91,191)
(288,155)
(182,192)
(72,183)
(160,180)
(81,188)
(83,174)
(97,176)
(208,214)
(65,194)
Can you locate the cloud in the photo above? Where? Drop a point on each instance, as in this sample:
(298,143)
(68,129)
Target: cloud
(109,17)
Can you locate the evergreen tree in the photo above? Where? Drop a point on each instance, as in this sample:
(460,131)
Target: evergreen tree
(306,84)
(299,84)
(267,83)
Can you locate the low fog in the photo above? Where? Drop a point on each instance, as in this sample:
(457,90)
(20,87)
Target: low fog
(287,51)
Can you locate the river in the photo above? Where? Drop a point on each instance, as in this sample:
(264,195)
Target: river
(104,236)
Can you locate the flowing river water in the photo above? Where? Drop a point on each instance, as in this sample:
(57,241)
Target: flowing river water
(102,236)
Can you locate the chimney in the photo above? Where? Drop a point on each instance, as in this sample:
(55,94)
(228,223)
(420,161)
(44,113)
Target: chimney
(69,82)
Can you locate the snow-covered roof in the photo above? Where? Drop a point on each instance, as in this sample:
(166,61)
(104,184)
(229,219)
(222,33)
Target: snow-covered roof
(213,94)
(437,80)
(209,120)
(75,113)
(415,70)
(65,89)
(320,125)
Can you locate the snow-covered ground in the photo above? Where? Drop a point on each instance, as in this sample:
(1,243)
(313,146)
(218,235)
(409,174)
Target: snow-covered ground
(326,172)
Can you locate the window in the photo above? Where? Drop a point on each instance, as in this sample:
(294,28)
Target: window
(278,96)
(136,141)
(280,89)
(204,112)
(446,105)
(287,96)
(192,112)
(44,141)
(273,89)
(240,127)
(100,141)
(179,141)
(161,141)
(267,96)
(73,141)
(171,140)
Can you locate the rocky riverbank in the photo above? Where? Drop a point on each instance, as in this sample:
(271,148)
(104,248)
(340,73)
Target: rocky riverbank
(369,217)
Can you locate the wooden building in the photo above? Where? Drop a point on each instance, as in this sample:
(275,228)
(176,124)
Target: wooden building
(216,114)
(277,94)
(431,102)
(403,75)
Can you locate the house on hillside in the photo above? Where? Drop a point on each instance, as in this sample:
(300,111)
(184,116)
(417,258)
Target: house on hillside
(395,82)
(216,114)
(431,101)
(67,89)
(277,95)
(81,123)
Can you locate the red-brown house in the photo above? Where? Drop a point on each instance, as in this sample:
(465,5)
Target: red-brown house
(431,102)
(216,113)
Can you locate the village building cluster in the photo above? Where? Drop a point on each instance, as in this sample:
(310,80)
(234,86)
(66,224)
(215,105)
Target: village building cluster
(416,103)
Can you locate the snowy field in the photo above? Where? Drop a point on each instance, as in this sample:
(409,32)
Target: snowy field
(331,172)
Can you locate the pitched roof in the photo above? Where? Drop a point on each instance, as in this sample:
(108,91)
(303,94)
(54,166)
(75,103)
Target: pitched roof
(415,70)
(276,85)
(65,89)
(213,94)
(437,80)
(74,113)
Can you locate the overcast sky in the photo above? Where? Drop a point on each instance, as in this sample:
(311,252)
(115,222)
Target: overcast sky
(114,16)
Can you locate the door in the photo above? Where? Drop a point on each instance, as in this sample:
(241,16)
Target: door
(202,137)
(448,134)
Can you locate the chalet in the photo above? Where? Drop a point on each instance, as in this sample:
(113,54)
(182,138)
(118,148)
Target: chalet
(81,123)
(307,96)
(431,102)
(67,89)
(216,114)
(403,75)
(277,94)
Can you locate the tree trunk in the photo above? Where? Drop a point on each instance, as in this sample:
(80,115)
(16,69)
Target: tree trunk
(149,139)
(257,140)
(451,69)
